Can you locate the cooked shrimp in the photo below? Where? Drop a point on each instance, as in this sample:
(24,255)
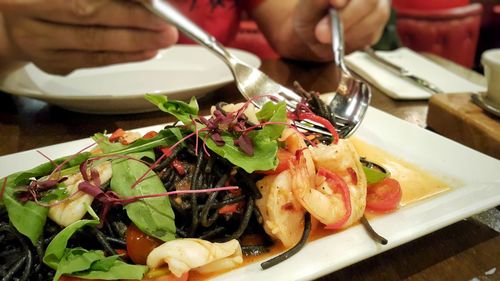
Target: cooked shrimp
(182,255)
(336,196)
(74,208)
(282,213)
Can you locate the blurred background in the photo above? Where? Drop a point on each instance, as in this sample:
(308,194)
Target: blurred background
(459,30)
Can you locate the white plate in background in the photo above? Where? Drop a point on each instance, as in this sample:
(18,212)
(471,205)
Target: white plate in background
(473,176)
(179,72)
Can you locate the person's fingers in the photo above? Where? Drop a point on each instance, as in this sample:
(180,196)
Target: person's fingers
(369,29)
(117,13)
(323,30)
(64,62)
(338,4)
(45,35)
(356,11)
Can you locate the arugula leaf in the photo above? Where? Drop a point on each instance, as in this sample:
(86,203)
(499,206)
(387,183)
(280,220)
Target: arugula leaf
(92,265)
(153,216)
(164,138)
(83,263)
(75,260)
(264,140)
(271,113)
(60,192)
(117,271)
(22,178)
(18,212)
(263,158)
(181,110)
(56,249)
(374,175)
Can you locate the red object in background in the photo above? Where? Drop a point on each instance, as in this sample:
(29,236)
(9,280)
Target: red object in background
(450,33)
(250,38)
(428,4)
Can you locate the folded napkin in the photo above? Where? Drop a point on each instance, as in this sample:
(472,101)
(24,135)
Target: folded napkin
(397,87)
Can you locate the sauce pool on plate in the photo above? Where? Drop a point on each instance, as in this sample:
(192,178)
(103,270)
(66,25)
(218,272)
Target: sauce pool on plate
(416,184)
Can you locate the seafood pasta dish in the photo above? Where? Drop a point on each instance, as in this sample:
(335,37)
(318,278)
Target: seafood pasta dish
(200,197)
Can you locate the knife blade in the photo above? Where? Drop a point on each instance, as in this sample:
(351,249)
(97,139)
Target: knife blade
(403,72)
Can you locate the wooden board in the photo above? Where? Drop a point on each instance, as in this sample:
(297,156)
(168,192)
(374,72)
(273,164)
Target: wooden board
(456,117)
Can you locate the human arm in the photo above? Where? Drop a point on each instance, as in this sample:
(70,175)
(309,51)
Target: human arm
(60,36)
(300,29)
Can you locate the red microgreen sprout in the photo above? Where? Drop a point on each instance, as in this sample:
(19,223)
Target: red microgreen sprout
(59,167)
(4,184)
(157,162)
(47,157)
(109,198)
(34,190)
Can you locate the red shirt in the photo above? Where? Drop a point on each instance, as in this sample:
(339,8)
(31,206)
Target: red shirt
(221,20)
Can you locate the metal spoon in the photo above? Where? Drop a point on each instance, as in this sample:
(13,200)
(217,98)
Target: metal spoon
(352,96)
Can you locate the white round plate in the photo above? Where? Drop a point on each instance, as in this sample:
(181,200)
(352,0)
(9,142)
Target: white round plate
(179,72)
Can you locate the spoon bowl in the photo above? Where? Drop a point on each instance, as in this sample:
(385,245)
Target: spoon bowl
(352,95)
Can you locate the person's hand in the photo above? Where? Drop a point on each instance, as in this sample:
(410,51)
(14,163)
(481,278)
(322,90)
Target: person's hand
(60,36)
(363,22)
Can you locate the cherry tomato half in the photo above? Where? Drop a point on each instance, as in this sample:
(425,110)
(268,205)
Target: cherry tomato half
(383,196)
(139,244)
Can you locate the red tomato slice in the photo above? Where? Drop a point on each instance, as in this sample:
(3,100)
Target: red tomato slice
(284,157)
(150,134)
(115,136)
(229,209)
(383,196)
(139,244)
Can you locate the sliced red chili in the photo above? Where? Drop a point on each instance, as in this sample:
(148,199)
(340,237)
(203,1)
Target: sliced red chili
(178,167)
(354,176)
(323,121)
(337,184)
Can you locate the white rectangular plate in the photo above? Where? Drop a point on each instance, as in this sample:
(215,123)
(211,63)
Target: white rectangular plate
(475,181)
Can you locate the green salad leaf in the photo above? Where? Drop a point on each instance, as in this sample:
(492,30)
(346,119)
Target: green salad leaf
(56,249)
(181,110)
(264,141)
(18,212)
(164,138)
(374,175)
(84,263)
(94,264)
(23,178)
(153,216)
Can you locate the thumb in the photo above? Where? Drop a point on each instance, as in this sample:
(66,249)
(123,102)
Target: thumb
(323,30)
(338,4)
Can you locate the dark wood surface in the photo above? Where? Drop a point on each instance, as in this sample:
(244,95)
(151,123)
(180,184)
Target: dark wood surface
(462,251)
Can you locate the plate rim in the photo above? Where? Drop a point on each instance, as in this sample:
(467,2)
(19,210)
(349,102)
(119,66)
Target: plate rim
(38,93)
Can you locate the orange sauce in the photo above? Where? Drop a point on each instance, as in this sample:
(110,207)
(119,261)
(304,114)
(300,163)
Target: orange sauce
(416,184)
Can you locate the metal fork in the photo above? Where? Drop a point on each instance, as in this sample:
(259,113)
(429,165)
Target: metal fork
(250,81)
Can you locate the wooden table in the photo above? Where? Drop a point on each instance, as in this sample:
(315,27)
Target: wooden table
(461,251)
